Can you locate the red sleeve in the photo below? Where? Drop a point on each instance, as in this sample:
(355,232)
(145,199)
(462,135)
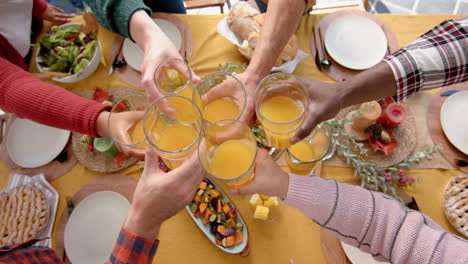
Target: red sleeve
(45,103)
(39,7)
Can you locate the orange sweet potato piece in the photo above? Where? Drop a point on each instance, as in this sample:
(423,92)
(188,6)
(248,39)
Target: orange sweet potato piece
(203,207)
(202,185)
(219,209)
(219,242)
(230,241)
(226,208)
(220,229)
(239,237)
(208,213)
(214,193)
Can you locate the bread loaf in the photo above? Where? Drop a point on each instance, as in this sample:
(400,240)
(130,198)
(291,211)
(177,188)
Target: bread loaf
(246,22)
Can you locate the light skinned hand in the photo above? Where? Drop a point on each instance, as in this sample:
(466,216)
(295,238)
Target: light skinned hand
(157,48)
(325,101)
(56,15)
(269,179)
(119,129)
(159,195)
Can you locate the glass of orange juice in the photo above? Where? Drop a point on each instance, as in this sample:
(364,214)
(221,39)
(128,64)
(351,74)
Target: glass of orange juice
(228,151)
(173,127)
(220,96)
(302,156)
(173,77)
(281,101)
(131,109)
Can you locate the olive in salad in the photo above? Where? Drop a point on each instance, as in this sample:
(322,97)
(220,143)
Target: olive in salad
(218,214)
(66,49)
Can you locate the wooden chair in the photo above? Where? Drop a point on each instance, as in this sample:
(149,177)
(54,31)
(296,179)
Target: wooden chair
(190,4)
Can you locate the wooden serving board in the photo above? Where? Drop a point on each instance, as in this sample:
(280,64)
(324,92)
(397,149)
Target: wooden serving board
(448,151)
(51,170)
(119,183)
(133,77)
(336,71)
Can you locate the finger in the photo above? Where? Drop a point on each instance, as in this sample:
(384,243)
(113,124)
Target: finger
(132,152)
(255,185)
(61,20)
(310,122)
(190,171)
(64,15)
(151,161)
(147,80)
(291,261)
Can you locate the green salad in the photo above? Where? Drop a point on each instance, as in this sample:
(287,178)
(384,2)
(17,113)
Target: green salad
(66,49)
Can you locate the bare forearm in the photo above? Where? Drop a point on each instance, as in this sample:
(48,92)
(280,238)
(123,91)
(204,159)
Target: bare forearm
(372,84)
(142,28)
(281,21)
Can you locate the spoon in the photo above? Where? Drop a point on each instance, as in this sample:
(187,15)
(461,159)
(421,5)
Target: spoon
(325,62)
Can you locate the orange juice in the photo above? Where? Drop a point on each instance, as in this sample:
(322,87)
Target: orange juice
(232,159)
(185,91)
(220,109)
(138,135)
(281,111)
(177,137)
(174,138)
(308,152)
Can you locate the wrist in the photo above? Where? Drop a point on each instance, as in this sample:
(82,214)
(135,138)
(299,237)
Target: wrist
(140,225)
(142,29)
(102,128)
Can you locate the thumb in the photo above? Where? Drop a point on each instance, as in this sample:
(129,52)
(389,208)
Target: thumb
(310,122)
(190,171)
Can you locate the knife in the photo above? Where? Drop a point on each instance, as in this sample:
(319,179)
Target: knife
(449,92)
(114,56)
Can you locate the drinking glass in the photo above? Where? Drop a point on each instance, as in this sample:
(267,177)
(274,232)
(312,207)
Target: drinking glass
(220,96)
(302,156)
(131,109)
(228,151)
(173,77)
(281,101)
(173,127)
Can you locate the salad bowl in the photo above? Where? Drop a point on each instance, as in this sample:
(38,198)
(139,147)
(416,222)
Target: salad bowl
(65,49)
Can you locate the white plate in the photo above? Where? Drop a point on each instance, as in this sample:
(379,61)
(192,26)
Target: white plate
(32,145)
(453,120)
(355,42)
(134,55)
(93,227)
(356,256)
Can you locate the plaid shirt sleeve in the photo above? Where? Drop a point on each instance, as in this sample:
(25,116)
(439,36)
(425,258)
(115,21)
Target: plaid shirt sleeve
(131,248)
(437,58)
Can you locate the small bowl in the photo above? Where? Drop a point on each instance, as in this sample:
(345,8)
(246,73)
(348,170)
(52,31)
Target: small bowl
(81,75)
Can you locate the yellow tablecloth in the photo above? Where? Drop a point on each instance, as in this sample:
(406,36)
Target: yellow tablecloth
(294,236)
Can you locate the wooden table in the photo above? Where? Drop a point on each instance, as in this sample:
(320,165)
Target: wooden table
(294,236)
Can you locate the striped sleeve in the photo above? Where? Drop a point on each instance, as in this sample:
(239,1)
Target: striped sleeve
(437,58)
(131,248)
(374,222)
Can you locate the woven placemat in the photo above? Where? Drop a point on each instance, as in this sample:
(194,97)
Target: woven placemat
(51,170)
(405,133)
(133,77)
(336,71)
(418,107)
(118,183)
(95,160)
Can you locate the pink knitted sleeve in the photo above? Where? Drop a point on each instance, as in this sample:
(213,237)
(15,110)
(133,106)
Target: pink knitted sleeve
(374,222)
(45,103)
